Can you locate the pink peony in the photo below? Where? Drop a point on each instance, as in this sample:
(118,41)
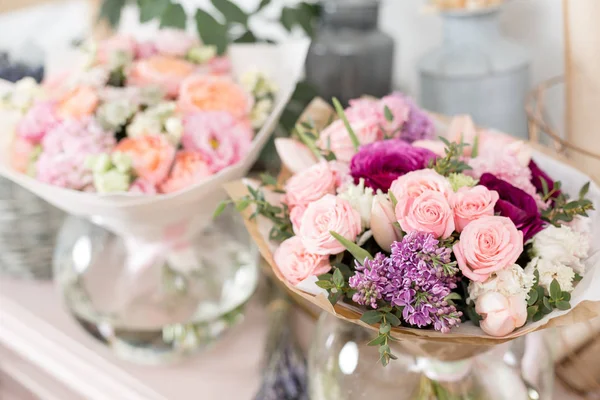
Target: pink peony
(168,73)
(329,213)
(152,156)
(145,50)
(337,139)
(222,139)
(142,186)
(296,264)
(310,185)
(114,44)
(470,204)
(190,167)
(174,42)
(487,245)
(414,183)
(37,122)
(65,149)
(501,315)
(430,212)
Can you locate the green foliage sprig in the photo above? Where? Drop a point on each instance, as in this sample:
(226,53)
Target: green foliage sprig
(452,162)
(564,209)
(541,304)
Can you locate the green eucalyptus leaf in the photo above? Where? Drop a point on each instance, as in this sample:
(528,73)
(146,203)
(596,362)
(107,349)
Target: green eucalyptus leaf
(110,10)
(385,328)
(538,316)
(533,297)
(211,31)
(220,208)
(546,306)
(173,16)
(392,319)
(371,317)
(531,311)
(335,297)
(150,9)
(377,341)
(584,190)
(555,290)
(231,11)
(384,348)
(566,296)
(358,252)
(338,278)
(325,284)
(242,204)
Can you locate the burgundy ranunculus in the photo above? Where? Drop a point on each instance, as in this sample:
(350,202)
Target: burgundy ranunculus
(380,163)
(536,178)
(515,204)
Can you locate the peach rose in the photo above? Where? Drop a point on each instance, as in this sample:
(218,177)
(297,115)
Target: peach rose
(337,139)
(296,214)
(296,263)
(310,185)
(117,43)
(501,315)
(20,156)
(430,212)
(330,213)
(383,223)
(473,203)
(77,103)
(152,156)
(166,72)
(190,167)
(214,93)
(487,245)
(414,183)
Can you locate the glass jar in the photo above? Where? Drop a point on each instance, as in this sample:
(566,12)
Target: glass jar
(156,302)
(340,61)
(477,71)
(342,367)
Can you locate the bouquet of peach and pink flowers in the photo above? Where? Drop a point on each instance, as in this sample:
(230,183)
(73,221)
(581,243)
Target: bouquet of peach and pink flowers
(136,127)
(465,238)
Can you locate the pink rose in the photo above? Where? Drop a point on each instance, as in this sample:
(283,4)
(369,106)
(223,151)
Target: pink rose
(473,203)
(310,185)
(487,245)
(501,315)
(430,212)
(296,263)
(365,108)
(221,138)
(330,213)
(168,73)
(296,214)
(414,183)
(337,139)
(383,223)
(174,42)
(114,44)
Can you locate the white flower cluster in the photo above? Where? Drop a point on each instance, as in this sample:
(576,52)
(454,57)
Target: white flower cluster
(263,90)
(114,114)
(512,281)
(22,96)
(559,253)
(360,198)
(160,118)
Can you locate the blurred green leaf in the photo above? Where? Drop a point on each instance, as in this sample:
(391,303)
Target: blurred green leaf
(211,31)
(288,18)
(110,10)
(231,11)
(173,16)
(371,317)
(247,37)
(263,4)
(150,9)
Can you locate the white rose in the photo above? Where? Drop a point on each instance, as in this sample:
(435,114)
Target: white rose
(174,128)
(115,113)
(509,282)
(360,198)
(562,246)
(549,270)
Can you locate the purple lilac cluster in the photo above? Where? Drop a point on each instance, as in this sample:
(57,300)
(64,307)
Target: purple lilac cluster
(417,277)
(418,126)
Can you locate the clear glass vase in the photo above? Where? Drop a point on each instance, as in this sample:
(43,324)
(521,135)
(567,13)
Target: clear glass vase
(342,367)
(156,302)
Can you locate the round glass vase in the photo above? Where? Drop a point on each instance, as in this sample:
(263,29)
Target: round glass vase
(341,366)
(156,302)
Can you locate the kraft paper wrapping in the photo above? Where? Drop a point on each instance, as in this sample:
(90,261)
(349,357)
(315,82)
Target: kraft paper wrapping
(429,343)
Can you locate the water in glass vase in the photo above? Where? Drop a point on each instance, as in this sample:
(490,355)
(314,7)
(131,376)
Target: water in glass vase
(156,302)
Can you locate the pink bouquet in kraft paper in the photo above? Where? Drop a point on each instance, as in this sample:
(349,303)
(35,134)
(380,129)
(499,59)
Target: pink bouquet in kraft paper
(139,127)
(425,232)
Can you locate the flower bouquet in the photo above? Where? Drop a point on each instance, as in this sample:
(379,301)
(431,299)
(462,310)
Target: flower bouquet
(447,246)
(138,138)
